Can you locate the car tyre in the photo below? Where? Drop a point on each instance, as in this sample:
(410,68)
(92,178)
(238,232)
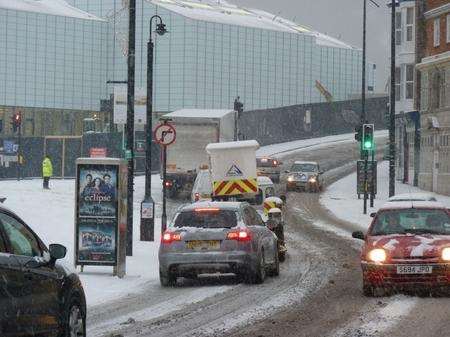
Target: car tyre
(371,291)
(259,274)
(167,279)
(74,319)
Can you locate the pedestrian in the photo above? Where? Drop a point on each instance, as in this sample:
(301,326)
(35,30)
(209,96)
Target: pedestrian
(47,171)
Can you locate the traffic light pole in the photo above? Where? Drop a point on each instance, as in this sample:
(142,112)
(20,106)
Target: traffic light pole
(19,152)
(392,106)
(366,155)
(372,182)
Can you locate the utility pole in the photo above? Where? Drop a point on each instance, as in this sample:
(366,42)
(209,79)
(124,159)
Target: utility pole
(363,89)
(129,152)
(392,106)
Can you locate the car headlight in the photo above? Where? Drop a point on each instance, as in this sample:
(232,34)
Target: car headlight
(312,180)
(446,254)
(377,255)
(290,178)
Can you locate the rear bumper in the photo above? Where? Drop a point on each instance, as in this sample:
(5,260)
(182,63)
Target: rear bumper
(385,275)
(205,262)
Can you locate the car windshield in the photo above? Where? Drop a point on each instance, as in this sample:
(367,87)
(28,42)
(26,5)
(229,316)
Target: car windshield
(206,218)
(304,168)
(413,221)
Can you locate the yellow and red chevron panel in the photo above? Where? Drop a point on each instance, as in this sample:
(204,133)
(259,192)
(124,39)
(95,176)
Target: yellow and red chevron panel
(268,205)
(235,187)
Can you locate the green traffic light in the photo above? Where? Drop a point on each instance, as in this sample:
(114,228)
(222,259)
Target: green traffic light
(368,144)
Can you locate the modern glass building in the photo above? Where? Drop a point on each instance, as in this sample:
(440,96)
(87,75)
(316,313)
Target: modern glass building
(217,51)
(53,66)
(56,58)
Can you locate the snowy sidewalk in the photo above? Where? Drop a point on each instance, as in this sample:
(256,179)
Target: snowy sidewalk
(341,199)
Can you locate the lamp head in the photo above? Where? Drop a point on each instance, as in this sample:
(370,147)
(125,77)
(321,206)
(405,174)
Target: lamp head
(161,29)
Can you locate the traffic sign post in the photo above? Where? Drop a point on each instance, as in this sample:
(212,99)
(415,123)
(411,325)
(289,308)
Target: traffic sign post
(165,135)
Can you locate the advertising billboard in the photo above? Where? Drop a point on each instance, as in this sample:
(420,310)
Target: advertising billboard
(97,214)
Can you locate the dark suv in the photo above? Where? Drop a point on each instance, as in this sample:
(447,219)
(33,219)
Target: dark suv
(37,296)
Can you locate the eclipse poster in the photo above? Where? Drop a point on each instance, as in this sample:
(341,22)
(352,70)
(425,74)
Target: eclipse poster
(97,214)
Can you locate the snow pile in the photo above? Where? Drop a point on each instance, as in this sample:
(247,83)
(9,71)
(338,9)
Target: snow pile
(50,7)
(341,198)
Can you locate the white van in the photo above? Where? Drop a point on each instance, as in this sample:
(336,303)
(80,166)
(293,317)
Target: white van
(202,189)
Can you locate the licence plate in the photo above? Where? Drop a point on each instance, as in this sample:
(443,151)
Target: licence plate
(203,244)
(411,269)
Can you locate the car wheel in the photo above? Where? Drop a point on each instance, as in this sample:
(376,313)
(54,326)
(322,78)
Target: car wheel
(275,270)
(74,320)
(260,270)
(167,279)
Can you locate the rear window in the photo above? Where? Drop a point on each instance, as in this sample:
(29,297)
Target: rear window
(206,219)
(264,162)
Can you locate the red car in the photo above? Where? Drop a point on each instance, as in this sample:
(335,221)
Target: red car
(407,247)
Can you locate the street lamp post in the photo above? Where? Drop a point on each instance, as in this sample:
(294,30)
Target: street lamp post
(392,112)
(148,205)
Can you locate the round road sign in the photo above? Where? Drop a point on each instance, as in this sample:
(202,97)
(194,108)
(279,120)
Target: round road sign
(165,134)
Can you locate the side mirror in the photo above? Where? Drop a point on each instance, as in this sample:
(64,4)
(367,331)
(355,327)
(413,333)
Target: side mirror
(372,215)
(358,235)
(57,251)
(321,172)
(286,171)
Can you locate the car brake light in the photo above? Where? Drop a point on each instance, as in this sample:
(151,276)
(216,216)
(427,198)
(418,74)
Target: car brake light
(168,183)
(169,237)
(275,163)
(207,210)
(241,235)
(197,196)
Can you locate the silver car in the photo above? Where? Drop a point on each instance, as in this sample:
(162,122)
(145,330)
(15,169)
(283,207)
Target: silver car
(212,237)
(304,175)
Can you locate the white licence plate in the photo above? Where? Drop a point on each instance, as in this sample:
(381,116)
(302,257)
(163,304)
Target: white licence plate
(412,269)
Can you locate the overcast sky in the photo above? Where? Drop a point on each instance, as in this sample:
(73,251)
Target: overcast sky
(342,19)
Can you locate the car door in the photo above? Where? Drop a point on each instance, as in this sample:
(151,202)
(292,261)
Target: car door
(40,283)
(15,318)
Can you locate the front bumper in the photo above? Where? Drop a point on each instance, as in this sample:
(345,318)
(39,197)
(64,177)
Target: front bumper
(385,275)
(206,262)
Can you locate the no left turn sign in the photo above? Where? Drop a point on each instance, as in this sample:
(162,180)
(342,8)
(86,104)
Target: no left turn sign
(165,134)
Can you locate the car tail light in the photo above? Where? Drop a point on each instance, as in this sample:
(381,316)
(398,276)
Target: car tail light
(169,237)
(275,163)
(241,235)
(212,210)
(168,183)
(197,196)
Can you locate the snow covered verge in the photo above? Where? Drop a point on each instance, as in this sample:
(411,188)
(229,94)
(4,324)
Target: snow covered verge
(341,199)
(285,148)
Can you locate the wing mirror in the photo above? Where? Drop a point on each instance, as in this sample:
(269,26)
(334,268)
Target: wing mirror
(286,171)
(57,251)
(372,215)
(358,235)
(321,172)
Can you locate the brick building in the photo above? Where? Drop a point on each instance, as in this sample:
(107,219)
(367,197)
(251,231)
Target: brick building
(433,52)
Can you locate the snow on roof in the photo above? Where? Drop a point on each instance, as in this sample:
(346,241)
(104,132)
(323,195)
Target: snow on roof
(411,204)
(198,113)
(305,162)
(226,13)
(232,145)
(413,197)
(50,7)
(212,204)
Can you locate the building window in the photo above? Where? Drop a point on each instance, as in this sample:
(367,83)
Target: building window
(448,28)
(398,28)
(409,23)
(437,32)
(409,81)
(397,83)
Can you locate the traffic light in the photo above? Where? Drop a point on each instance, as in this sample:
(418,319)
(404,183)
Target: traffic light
(16,121)
(367,137)
(358,130)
